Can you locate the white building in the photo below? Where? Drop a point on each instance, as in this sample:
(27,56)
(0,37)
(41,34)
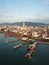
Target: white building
(23,24)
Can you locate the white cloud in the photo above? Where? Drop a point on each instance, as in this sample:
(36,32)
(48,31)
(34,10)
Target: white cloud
(40,17)
(13,16)
(8,16)
(46,2)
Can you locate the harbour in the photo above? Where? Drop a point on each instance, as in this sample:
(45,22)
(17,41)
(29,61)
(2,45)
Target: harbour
(24,32)
(24,43)
(9,56)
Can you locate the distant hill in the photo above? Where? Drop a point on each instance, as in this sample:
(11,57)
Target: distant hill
(27,23)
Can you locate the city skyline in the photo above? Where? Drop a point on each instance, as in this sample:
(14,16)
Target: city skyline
(24,10)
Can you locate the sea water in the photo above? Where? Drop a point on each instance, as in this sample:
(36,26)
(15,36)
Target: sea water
(8,56)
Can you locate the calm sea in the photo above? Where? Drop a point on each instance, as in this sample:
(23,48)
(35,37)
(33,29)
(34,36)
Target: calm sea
(8,56)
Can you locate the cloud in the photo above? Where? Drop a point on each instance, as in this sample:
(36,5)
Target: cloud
(46,2)
(8,16)
(13,16)
(40,17)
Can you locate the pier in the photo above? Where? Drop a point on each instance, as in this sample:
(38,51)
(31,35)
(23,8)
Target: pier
(19,45)
(10,41)
(40,42)
(31,49)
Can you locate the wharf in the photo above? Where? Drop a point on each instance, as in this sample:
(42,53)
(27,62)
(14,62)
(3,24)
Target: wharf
(31,49)
(40,42)
(19,45)
(10,41)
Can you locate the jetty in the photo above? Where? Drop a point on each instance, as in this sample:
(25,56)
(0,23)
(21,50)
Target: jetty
(40,42)
(19,45)
(31,49)
(10,41)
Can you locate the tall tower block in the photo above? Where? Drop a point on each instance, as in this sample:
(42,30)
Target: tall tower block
(23,24)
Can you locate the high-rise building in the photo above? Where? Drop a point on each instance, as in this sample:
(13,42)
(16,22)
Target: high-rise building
(23,24)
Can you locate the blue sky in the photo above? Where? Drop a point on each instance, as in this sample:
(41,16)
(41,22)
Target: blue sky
(24,10)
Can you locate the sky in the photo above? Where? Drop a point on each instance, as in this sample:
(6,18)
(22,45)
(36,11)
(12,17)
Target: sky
(24,10)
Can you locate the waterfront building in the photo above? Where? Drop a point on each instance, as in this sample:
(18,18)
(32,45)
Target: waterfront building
(34,34)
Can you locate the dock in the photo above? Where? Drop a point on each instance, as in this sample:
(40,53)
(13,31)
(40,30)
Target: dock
(10,41)
(40,42)
(19,45)
(31,49)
